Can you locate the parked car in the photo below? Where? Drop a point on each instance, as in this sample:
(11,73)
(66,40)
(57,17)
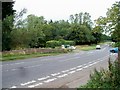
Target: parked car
(68,47)
(114,50)
(72,47)
(98,47)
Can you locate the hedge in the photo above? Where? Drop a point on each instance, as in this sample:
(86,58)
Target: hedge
(54,43)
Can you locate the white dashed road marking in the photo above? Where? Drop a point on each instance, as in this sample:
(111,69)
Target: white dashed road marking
(86,66)
(65,71)
(54,76)
(23,84)
(35,85)
(79,69)
(43,78)
(62,75)
(90,65)
(13,87)
(73,68)
(79,66)
(50,80)
(71,72)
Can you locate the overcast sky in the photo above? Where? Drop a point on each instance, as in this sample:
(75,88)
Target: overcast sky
(62,9)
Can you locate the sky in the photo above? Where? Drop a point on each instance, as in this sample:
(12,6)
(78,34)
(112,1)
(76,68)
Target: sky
(62,9)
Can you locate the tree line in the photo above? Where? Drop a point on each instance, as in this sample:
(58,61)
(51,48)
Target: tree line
(35,31)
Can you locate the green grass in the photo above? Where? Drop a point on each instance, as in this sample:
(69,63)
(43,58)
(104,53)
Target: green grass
(25,56)
(86,47)
(9,57)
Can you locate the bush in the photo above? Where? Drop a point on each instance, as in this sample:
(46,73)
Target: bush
(105,78)
(66,42)
(54,43)
(117,44)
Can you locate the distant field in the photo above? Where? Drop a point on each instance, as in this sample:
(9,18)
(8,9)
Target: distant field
(86,47)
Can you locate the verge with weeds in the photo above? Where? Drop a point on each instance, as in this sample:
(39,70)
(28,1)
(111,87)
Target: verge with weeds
(24,55)
(105,78)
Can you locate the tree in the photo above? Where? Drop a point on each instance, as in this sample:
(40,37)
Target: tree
(18,19)
(71,18)
(7,24)
(81,28)
(97,33)
(80,34)
(35,27)
(113,16)
(7,9)
(80,18)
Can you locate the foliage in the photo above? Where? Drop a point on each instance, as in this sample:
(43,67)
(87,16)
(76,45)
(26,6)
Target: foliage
(29,53)
(7,24)
(113,16)
(81,34)
(105,78)
(54,43)
(97,33)
(117,44)
(66,42)
(7,9)
(35,31)
(111,23)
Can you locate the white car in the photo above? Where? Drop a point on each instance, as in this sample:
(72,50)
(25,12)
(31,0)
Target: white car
(73,47)
(98,47)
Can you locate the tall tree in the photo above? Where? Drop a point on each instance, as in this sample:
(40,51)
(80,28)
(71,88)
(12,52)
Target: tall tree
(80,18)
(72,18)
(113,16)
(7,24)
(97,33)
(35,27)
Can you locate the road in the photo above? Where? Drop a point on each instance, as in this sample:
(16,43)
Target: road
(39,72)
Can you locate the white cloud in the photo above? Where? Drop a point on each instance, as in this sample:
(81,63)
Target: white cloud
(61,9)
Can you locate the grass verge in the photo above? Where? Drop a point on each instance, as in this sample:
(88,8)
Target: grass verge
(86,47)
(105,78)
(9,57)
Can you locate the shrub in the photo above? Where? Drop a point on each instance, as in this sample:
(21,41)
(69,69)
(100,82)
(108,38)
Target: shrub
(54,43)
(66,42)
(117,44)
(105,78)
